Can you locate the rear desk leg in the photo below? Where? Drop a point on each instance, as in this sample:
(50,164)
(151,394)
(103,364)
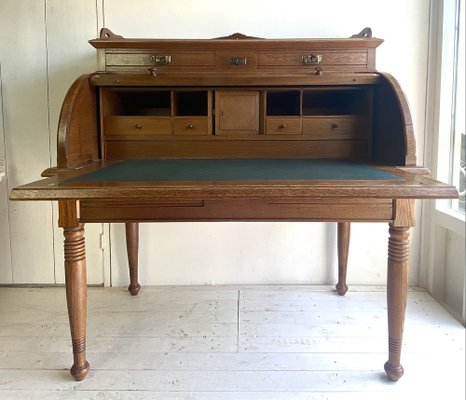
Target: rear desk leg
(397,283)
(343,248)
(132,246)
(76,284)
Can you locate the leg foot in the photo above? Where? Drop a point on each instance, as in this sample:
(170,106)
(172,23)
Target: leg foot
(394,373)
(134,289)
(341,288)
(79,372)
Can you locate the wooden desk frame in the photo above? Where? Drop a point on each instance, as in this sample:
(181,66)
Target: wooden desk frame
(365,116)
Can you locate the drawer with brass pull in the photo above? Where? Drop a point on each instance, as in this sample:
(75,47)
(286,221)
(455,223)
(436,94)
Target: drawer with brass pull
(308,61)
(191,126)
(170,60)
(336,126)
(141,125)
(283,125)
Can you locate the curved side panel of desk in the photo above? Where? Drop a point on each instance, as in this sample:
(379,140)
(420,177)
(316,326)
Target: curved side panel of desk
(78,140)
(393,141)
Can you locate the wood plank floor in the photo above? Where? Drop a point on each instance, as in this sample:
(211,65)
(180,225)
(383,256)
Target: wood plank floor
(227,342)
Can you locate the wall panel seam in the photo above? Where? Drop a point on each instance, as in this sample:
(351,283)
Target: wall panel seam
(2,105)
(47,83)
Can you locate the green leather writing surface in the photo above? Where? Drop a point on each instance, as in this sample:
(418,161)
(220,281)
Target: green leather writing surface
(234,170)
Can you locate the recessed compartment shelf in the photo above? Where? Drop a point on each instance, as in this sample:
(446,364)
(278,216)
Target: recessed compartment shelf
(191,103)
(339,101)
(337,117)
(137,102)
(283,102)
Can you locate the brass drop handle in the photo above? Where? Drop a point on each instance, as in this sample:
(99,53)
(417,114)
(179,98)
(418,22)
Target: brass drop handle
(189,126)
(282,126)
(152,71)
(138,126)
(161,60)
(312,59)
(237,60)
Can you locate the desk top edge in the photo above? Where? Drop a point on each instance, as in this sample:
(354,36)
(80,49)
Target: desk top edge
(414,186)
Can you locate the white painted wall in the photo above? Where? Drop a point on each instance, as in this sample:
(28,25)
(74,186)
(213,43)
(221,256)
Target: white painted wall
(443,270)
(43,47)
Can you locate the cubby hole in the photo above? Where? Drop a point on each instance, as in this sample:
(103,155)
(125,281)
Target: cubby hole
(138,102)
(335,102)
(191,103)
(283,103)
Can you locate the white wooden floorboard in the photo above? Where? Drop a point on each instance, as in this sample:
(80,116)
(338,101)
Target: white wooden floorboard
(245,342)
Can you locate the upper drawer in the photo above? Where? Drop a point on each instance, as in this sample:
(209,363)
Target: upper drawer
(349,60)
(164,59)
(236,60)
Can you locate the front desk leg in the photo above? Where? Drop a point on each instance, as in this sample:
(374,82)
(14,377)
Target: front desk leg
(132,246)
(397,291)
(397,283)
(343,248)
(76,284)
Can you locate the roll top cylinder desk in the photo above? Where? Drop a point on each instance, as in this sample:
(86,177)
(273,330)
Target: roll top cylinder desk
(235,129)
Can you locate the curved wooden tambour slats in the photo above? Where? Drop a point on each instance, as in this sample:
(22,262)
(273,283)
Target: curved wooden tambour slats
(393,142)
(77,126)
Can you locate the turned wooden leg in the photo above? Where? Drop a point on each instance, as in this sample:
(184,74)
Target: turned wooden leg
(132,246)
(397,291)
(343,248)
(76,296)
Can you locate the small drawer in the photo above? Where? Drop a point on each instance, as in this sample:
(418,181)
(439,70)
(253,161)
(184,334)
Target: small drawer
(308,60)
(283,125)
(336,125)
(160,59)
(118,125)
(191,126)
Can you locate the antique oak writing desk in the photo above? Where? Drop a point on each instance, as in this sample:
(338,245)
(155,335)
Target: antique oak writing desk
(235,129)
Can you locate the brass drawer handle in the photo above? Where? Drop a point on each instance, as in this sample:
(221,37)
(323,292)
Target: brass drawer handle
(137,126)
(152,71)
(189,126)
(161,60)
(334,125)
(237,60)
(319,71)
(312,59)
(282,126)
